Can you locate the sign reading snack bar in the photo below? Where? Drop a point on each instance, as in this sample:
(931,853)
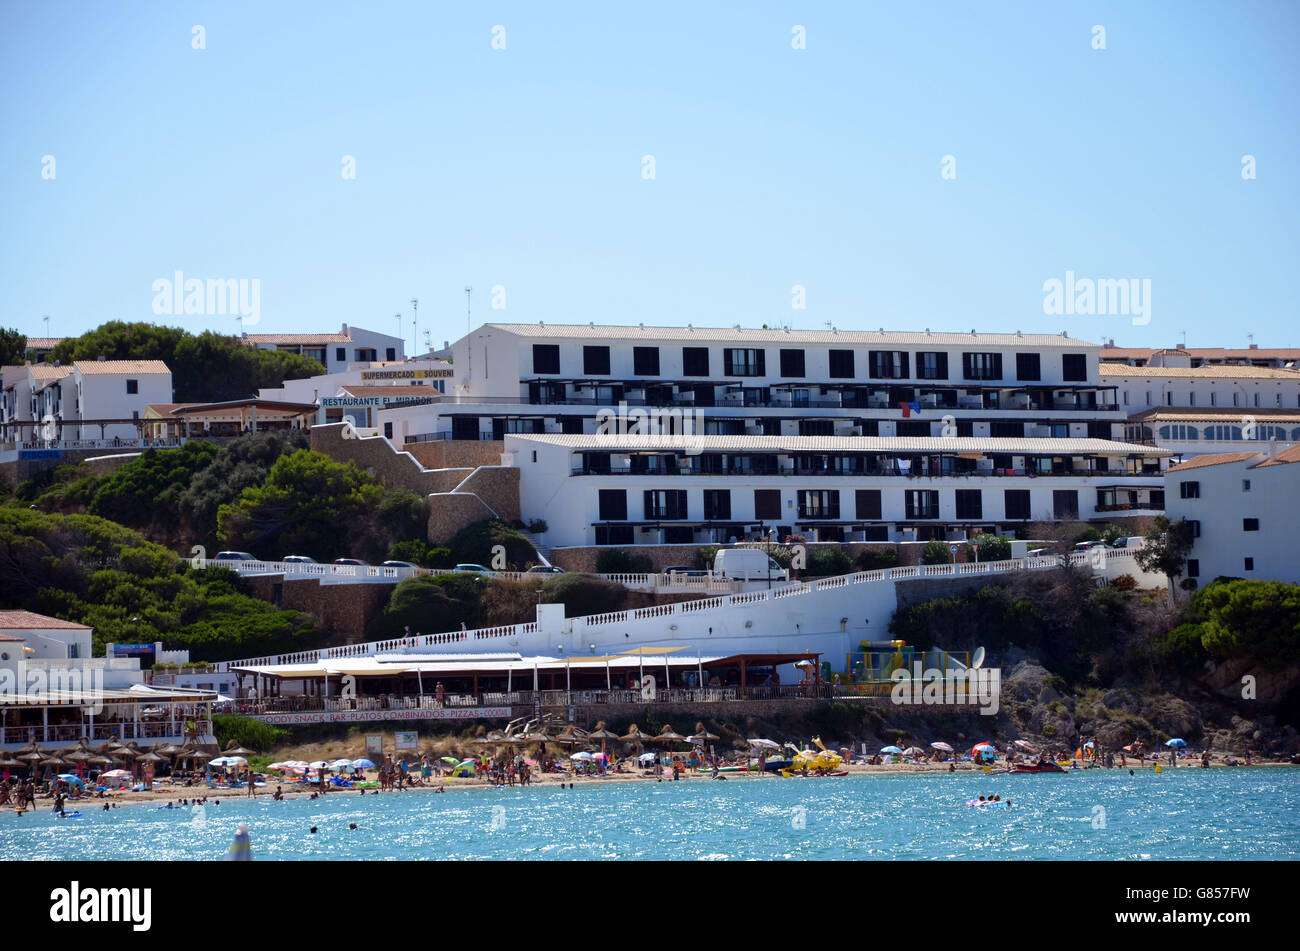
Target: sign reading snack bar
(371,716)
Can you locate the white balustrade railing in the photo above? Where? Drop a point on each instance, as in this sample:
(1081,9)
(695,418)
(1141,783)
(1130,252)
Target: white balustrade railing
(786,590)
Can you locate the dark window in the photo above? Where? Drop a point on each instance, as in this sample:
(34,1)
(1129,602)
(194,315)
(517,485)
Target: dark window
(1017,503)
(340,354)
(1193,567)
(792,364)
(695,361)
(613,505)
(982,366)
(1195,525)
(922,503)
(842,364)
(388,430)
(1005,430)
(965,428)
(1189,490)
(1099,431)
(1250,524)
(932,366)
(868,503)
(740,362)
(717,504)
(888,364)
(869,427)
(613,534)
(819,503)
(1065,503)
(390,354)
(1028,366)
(133,386)
(665,503)
(767,503)
(464,427)
(571,424)
(912,428)
(595,360)
(970,503)
(645,361)
(1250,564)
(546,358)
(816,427)
(1074,367)
(876,533)
(1157,498)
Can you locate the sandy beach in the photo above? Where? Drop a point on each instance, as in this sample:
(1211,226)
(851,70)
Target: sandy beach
(163,792)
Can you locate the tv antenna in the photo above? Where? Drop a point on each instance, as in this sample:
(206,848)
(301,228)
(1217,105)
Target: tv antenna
(415,324)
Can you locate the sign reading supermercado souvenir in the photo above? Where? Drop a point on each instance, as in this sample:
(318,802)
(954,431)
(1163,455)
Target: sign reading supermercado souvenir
(371,716)
(442,374)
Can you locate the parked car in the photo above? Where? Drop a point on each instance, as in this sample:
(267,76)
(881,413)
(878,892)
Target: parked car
(351,561)
(1088,546)
(298,560)
(473,569)
(235,556)
(544,570)
(687,570)
(398,564)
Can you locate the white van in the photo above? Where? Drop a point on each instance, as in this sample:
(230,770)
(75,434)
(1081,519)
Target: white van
(747,564)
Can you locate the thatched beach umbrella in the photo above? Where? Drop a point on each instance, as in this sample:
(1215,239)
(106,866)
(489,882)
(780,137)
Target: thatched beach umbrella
(11,763)
(667,735)
(238,751)
(701,734)
(602,734)
(32,756)
(570,736)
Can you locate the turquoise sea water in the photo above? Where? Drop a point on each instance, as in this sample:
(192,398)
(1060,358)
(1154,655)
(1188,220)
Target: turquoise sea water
(1096,814)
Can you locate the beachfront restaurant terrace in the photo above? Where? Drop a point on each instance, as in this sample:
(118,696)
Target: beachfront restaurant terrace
(139,712)
(398,681)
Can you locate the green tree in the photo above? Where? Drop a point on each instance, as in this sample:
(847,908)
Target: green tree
(1255,620)
(1113,534)
(936,553)
(990,548)
(583,594)
(13,347)
(617,561)
(475,544)
(301,508)
(874,559)
(1166,548)
(823,562)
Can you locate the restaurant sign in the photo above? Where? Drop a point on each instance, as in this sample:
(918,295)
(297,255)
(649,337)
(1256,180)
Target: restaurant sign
(372,716)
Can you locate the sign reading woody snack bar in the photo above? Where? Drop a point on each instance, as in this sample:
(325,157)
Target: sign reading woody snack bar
(439,374)
(370,716)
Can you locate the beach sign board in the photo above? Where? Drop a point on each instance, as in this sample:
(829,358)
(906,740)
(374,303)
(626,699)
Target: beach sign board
(407,741)
(374,743)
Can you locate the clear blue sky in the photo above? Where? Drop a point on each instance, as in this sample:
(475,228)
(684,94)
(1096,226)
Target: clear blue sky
(774,167)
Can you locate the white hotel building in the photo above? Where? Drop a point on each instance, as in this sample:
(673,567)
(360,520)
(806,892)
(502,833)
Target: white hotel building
(89,400)
(1242,508)
(833,435)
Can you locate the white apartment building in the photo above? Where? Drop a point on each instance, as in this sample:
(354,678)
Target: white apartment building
(671,489)
(335,351)
(1208,408)
(539,378)
(88,401)
(1243,512)
(1254,355)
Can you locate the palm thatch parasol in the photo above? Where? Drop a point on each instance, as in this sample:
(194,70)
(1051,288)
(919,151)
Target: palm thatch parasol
(667,735)
(238,751)
(702,734)
(151,758)
(602,734)
(32,756)
(571,737)
(10,762)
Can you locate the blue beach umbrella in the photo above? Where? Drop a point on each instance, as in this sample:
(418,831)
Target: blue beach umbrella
(891,749)
(72,778)
(1175,742)
(363,764)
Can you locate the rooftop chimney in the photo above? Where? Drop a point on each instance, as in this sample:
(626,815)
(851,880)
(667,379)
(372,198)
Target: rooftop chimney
(344,331)
(1254,346)
(1181,346)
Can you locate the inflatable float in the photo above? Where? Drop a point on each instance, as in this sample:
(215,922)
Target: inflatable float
(987,802)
